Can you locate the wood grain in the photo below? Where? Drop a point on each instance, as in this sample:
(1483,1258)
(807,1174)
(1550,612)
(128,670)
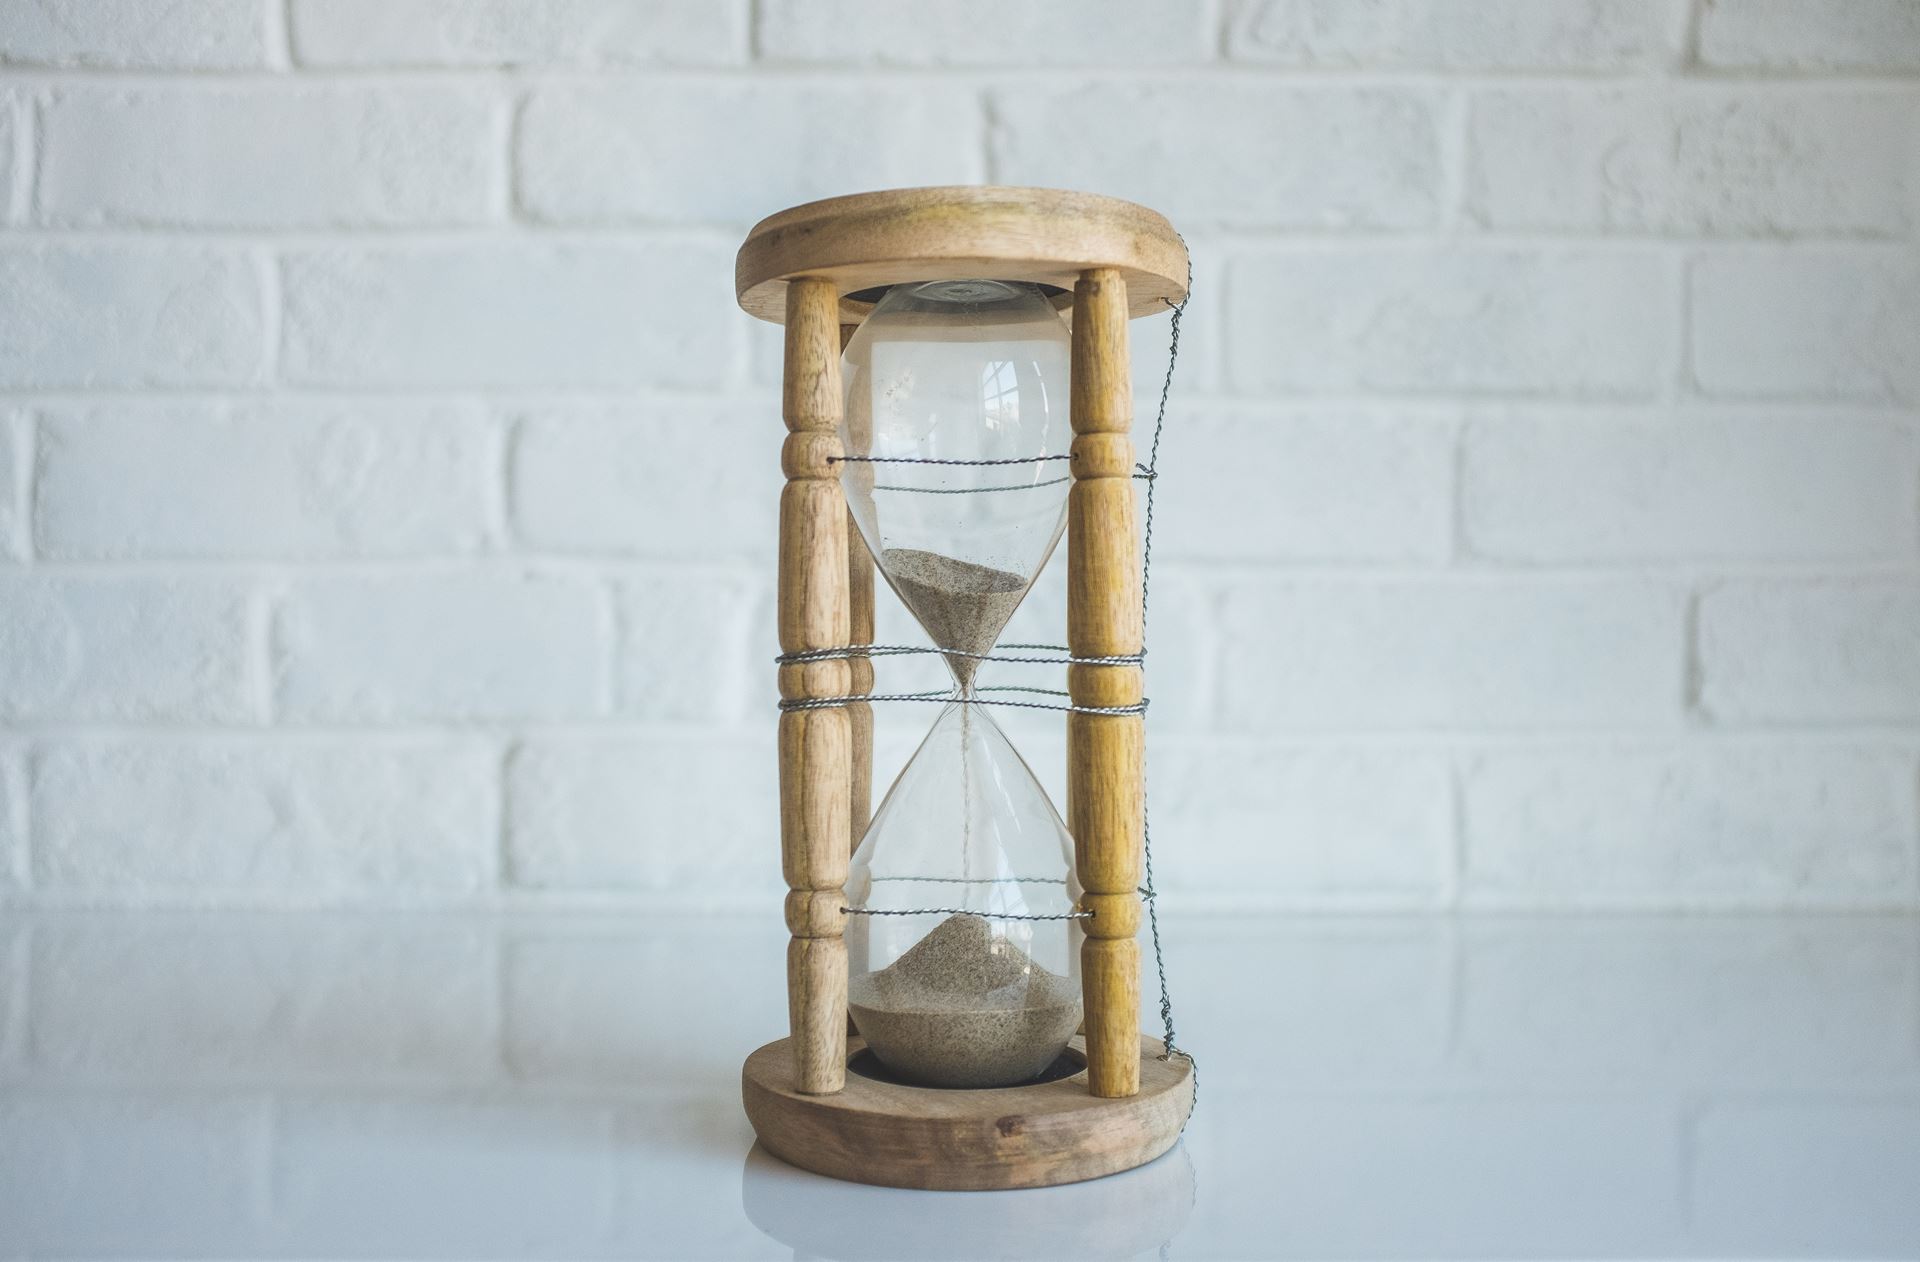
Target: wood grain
(816,746)
(1047,236)
(1105,752)
(1009,1137)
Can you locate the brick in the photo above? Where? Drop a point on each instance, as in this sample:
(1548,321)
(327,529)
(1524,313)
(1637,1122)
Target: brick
(16,462)
(1693,485)
(584,1009)
(1331,484)
(216,157)
(1582,323)
(425,1174)
(1869,35)
(321,480)
(209,35)
(694,646)
(180,1171)
(105,316)
(246,819)
(1741,162)
(1121,138)
(1451,652)
(671,481)
(241,1000)
(611,152)
(1807,1175)
(1295,825)
(1832,651)
(993,34)
(1806,324)
(138,649)
(1613,1003)
(1722,825)
(516,33)
(508,315)
(1564,35)
(616,813)
(477,645)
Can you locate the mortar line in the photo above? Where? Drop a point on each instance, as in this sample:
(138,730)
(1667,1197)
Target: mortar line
(1280,75)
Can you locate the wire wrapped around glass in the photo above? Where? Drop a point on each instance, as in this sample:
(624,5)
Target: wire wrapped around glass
(964,943)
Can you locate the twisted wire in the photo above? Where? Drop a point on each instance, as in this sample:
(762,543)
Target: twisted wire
(1149,894)
(975,880)
(938,460)
(967,911)
(905,650)
(1145,891)
(951,698)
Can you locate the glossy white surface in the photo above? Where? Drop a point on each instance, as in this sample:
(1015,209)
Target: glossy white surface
(437,1086)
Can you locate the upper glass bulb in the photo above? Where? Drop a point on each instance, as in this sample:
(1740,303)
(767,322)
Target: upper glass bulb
(959,370)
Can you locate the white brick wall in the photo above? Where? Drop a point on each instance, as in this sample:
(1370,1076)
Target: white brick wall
(1815,35)
(204,157)
(533,33)
(1734,162)
(1546,35)
(388,482)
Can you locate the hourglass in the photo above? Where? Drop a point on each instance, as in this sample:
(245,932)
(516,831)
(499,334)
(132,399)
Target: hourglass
(982,950)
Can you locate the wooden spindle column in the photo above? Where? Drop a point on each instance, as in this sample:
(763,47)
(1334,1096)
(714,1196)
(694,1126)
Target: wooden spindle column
(1105,752)
(816,746)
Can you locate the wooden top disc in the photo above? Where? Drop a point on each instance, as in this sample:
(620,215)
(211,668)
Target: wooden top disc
(1038,1135)
(963,232)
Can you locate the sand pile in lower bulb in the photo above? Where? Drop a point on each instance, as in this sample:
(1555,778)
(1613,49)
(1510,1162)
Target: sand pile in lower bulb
(964,1008)
(962,605)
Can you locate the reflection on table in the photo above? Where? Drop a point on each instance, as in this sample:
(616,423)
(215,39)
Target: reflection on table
(202,1085)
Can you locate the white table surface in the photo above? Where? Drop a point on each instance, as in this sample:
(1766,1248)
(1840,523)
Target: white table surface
(430,1085)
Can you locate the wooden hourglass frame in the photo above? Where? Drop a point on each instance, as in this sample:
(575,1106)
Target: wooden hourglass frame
(818,269)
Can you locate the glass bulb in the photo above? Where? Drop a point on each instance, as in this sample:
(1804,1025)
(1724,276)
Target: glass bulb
(967,975)
(959,370)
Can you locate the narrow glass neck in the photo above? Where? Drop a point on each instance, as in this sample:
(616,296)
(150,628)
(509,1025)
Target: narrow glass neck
(964,671)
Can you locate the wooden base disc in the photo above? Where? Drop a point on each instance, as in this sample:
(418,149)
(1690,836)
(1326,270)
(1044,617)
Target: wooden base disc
(955,1140)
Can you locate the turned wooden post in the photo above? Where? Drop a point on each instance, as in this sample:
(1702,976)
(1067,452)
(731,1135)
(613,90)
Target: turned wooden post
(816,746)
(1105,752)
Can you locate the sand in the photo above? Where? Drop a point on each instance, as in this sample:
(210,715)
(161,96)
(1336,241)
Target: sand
(962,605)
(963,1008)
